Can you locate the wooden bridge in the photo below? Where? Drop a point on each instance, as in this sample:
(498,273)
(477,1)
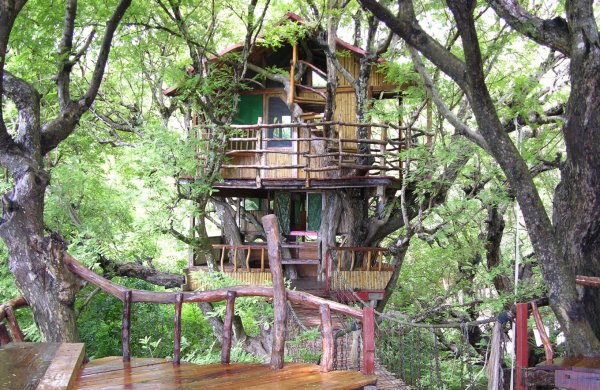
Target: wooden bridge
(55,368)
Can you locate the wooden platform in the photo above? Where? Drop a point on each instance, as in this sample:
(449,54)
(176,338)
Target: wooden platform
(42,366)
(144,373)
(575,373)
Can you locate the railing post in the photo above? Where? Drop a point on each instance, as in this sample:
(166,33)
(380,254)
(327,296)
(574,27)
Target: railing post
(279,294)
(521,344)
(4,338)
(126,326)
(328,343)
(368,334)
(228,328)
(13,326)
(327,260)
(177,332)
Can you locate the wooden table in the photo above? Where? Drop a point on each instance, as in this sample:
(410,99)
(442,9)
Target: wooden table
(42,366)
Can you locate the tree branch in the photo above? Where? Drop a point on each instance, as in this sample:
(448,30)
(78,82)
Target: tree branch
(553,33)
(407,27)
(460,126)
(64,124)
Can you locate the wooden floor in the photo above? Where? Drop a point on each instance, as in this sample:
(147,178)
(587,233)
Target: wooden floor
(39,365)
(144,373)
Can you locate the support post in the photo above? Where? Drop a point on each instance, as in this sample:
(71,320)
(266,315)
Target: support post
(279,294)
(228,328)
(521,344)
(4,338)
(13,326)
(327,270)
(126,326)
(368,334)
(177,332)
(328,343)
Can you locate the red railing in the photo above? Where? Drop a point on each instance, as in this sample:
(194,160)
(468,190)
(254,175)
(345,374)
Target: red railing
(522,333)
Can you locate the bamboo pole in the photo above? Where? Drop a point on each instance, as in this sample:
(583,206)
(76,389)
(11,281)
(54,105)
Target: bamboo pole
(223,260)
(293,74)
(369,260)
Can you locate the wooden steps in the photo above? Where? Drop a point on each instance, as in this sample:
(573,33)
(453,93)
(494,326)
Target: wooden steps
(141,373)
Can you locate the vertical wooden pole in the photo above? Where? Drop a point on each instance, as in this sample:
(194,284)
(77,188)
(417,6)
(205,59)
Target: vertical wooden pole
(327,260)
(369,260)
(13,326)
(126,326)
(228,328)
(235,250)
(521,343)
(279,294)
(328,342)
(293,74)
(177,337)
(248,259)
(368,334)
(223,259)
(262,259)
(382,147)
(4,338)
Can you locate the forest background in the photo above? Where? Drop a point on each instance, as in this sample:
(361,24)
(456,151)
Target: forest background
(460,239)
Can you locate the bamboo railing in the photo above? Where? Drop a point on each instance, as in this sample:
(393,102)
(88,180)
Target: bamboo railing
(373,274)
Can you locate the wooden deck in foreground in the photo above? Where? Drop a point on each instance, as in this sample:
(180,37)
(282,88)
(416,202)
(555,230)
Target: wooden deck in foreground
(145,373)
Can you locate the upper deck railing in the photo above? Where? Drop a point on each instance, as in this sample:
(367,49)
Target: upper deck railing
(306,153)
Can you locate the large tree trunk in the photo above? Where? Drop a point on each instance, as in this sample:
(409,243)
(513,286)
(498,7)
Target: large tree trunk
(577,198)
(35,260)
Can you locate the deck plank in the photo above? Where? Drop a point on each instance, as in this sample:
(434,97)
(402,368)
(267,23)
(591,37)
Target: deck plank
(62,371)
(111,373)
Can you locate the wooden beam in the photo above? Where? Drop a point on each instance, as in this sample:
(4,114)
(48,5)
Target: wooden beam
(177,330)
(228,328)
(279,294)
(521,344)
(13,325)
(4,337)
(64,368)
(368,334)
(126,326)
(328,342)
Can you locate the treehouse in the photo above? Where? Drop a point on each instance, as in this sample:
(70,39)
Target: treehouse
(285,158)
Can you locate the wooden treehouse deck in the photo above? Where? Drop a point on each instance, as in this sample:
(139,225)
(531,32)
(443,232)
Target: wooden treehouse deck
(60,365)
(162,374)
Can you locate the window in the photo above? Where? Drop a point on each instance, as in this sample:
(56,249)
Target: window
(279,114)
(317,80)
(252,204)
